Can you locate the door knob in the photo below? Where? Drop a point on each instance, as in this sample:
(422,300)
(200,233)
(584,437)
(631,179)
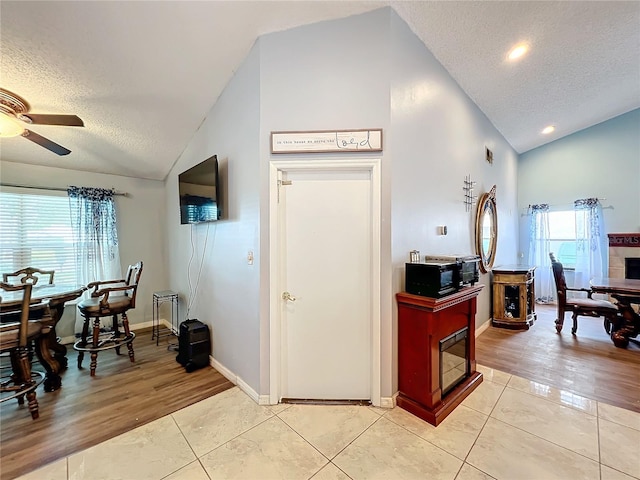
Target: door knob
(288,296)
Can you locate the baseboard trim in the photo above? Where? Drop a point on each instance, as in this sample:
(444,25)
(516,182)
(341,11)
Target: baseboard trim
(68,340)
(228,374)
(140,326)
(388,402)
(480,330)
(244,386)
(236,380)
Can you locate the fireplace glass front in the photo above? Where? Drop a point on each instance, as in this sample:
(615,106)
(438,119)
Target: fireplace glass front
(632,268)
(454,364)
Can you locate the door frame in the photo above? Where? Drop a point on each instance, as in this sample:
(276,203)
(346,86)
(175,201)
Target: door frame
(276,168)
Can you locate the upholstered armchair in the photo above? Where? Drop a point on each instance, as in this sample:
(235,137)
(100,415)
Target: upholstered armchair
(588,307)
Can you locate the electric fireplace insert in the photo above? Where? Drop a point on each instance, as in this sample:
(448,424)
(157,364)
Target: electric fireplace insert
(454,360)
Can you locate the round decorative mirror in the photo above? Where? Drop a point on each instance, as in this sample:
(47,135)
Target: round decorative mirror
(487,229)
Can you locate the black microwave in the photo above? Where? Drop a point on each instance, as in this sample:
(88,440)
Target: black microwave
(432,279)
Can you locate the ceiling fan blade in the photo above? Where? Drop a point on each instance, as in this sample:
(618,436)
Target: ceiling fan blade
(46,143)
(52,119)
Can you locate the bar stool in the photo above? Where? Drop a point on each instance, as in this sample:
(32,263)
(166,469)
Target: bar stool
(108,301)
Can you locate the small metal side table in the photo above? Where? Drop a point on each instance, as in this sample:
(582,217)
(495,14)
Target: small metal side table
(158,299)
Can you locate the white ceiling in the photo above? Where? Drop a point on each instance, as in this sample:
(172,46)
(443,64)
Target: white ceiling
(143,74)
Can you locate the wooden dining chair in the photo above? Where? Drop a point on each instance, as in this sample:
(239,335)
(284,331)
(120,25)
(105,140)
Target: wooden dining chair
(18,328)
(588,307)
(28,275)
(109,298)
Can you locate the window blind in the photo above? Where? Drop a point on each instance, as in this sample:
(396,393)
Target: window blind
(35,231)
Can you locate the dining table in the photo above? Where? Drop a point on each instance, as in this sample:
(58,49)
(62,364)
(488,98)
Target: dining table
(626,293)
(51,353)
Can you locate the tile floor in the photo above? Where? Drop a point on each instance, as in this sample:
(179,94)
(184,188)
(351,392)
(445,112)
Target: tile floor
(508,428)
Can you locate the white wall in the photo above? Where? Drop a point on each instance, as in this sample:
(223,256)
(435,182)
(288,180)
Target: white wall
(365,71)
(330,75)
(227,292)
(371,71)
(438,136)
(601,161)
(141,220)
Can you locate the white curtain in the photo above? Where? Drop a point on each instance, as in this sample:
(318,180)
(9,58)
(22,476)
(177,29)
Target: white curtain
(591,260)
(539,247)
(93,219)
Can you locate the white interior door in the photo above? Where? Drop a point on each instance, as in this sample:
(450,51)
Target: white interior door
(325,251)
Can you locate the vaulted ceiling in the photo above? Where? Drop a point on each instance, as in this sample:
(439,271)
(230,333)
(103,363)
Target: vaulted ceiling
(143,75)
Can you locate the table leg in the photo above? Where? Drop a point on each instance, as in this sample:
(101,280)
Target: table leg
(628,323)
(60,351)
(52,381)
(48,343)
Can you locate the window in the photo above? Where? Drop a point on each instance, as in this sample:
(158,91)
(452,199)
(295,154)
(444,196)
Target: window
(35,231)
(562,236)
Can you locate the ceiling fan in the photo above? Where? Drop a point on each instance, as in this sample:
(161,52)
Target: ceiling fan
(14,108)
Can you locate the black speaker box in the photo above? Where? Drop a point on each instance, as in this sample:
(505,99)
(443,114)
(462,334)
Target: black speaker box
(194,345)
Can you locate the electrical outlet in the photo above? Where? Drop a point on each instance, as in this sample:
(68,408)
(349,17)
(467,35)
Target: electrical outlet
(250,257)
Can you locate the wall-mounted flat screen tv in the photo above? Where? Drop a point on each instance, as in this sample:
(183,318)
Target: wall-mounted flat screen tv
(199,192)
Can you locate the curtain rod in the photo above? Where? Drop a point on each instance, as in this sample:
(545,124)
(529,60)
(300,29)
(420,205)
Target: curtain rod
(565,204)
(55,189)
(569,206)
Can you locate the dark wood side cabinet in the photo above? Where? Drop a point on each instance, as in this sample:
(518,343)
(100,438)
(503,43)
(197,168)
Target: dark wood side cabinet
(426,326)
(514,297)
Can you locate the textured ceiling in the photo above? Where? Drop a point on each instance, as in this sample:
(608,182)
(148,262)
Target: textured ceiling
(143,75)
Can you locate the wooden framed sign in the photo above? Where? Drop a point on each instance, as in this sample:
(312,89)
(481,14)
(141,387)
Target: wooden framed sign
(323,141)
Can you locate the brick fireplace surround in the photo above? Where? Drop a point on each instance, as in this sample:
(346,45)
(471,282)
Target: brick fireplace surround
(621,247)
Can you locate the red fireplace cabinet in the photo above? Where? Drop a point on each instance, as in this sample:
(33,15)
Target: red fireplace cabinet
(424,325)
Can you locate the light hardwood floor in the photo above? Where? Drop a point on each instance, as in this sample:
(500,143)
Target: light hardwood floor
(87,411)
(587,363)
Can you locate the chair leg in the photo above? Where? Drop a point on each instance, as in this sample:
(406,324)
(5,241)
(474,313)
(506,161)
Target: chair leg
(96,340)
(116,332)
(560,320)
(116,328)
(127,332)
(92,342)
(33,405)
(24,377)
(575,323)
(94,363)
(85,331)
(559,323)
(15,378)
(83,338)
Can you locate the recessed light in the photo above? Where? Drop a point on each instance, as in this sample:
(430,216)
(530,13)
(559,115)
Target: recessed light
(548,130)
(518,51)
